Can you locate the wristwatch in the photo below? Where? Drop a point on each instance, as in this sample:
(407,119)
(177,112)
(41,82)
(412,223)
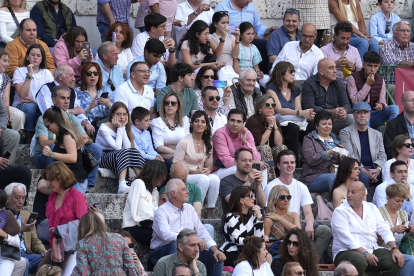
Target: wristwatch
(52,154)
(221,40)
(365,254)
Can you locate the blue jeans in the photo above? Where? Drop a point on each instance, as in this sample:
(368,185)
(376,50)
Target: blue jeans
(103,27)
(364,178)
(323,183)
(408,268)
(363,45)
(32,114)
(82,187)
(32,260)
(378,118)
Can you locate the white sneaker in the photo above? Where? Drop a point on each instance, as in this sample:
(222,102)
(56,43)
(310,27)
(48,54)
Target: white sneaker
(123,188)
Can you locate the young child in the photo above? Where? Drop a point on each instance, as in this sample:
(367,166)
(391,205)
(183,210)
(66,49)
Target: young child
(380,24)
(3,200)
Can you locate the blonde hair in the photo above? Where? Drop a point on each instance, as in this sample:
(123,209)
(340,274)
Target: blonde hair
(48,270)
(288,267)
(343,9)
(180,111)
(91,224)
(274,196)
(7,4)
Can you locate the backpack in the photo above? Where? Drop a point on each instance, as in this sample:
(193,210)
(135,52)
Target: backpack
(323,209)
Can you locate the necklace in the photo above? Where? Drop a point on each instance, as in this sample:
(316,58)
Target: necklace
(284,92)
(168,124)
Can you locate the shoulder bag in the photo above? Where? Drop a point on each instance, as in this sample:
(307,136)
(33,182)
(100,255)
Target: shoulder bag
(89,162)
(16,32)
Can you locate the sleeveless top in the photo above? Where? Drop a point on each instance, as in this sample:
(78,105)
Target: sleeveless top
(276,233)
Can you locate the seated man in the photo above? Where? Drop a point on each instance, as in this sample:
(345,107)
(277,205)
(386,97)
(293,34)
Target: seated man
(187,252)
(355,226)
(31,247)
(53,19)
(345,268)
(182,269)
(172,217)
(214,108)
(382,23)
(324,92)
(286,163)
(368,86)
(18,47)
(340,51)
(365,144)
(192,10)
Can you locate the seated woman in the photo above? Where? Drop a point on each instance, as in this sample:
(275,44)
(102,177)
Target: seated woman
(243,220)
(69,50)
(297,247)
(402,148)
(266,131)
(293,269)
(27,81)
(279,220)
(9,28)
(170,127)
(67,146)
(205,77)
(224,44)
(90,92)
(350,11)
(289,113)
(194,47)
(318,154)
(397,220)
(253,259)
(117,143)
(142,201)
(196,152)
(99,252)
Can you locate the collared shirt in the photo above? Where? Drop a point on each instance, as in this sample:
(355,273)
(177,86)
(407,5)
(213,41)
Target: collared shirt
(22,245)
(120,10)
(219,121)
(157,78)
(169,221)
(359,96)
(392,53)
(351,53)
(116,76)
(166,264)
(143,143)
(85,100)
(378,24)
(127,94)
(249,104)
(184,9)
(248,14)
(306,64)
(350,231)
(138,46)
(167,8)
(278,39)
(221,108)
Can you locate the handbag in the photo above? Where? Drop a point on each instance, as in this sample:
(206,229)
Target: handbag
(323,209)
(68,235)
(10,252)
(16,32)
(43,232)
(89,162)
(407,245)
(58,254)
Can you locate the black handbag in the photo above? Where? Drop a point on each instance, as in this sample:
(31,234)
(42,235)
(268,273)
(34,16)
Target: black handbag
(10,252)
(89,162)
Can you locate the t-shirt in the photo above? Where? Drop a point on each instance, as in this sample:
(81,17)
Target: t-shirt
(283,102)
(226,186)
(249,56)
(298,190)
(245,269)
(227,53)
(366,158)
(188,98)
(193,196)
(195,59)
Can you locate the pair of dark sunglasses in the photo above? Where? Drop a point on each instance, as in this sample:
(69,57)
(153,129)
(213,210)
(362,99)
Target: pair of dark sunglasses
(111,84)
(300,273)
(292,11)
(208,77)
(168,103)
(252,196)
(408,145)
(283,197)
(294,243)
(387,27)
(291,71)
(273,105)
(95,73)
(211,98)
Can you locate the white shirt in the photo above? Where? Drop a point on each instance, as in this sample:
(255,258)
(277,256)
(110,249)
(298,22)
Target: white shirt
(40,78)
(127,94)
(162,135)
(245,269)
(306,64)
(386,170)
(124,58)
(299,192)
(110,140)
(184,9)
(351,232)
(139,42)
(8,26)
(219,121)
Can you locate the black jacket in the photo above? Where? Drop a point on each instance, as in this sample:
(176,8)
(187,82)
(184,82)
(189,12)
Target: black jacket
(396,127)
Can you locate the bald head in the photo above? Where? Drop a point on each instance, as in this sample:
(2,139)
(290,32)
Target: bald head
(327,70)
(309,27)
(179,170)
(308,36)
(358,185)
(345,268)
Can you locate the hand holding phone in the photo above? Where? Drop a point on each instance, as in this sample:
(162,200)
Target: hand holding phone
(32,217)
(7,155)
(232,29)
(219,83)
(87,47)
(256,166)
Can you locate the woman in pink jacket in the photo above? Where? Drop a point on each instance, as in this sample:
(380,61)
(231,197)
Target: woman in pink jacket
(69,50)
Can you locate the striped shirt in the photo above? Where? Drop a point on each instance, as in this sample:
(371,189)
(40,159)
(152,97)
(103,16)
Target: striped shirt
(393,53)
(120,10)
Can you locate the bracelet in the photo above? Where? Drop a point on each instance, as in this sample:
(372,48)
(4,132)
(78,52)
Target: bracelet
(195,12)
(297,112)
(270,128)
(171,51)
(280,220)
(29,77)
(221,40)
(237,42)
(393,248)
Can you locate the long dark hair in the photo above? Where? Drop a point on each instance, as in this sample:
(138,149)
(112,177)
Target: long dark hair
(236,194)
(201,73)
(277,75)
(207,132)
(217,16)
(42,65)
(344,171)
(151,172)
(70,38)
(191,35)
(252,247)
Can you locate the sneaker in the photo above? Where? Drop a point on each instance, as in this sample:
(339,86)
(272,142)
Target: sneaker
(123,188)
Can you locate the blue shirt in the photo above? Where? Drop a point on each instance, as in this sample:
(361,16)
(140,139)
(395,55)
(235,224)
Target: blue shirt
(378,24)
(248,14)
(22,245)
(143,143)
(278,39)
(157,79)
(116,77)
(120,10)
(85,99)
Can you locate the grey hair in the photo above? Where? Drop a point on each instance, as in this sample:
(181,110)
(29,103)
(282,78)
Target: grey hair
(9,188)
(261,101)
(103,49)
(397,25)
(57,88)
(172,169)
(174,271)
(61,70)
(342,270)
(171,186)
(245,71)
(182,236)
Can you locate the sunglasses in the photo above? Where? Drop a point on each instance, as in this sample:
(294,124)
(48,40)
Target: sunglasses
(111,84)
(294,243)
(408,145)
(300,273)
(89,73)
(273,105)
(291,71)
(211,98)
(292,11)
(168,103)
(283,197)
(222,12)
(250,195)
(206,77)
(387,27)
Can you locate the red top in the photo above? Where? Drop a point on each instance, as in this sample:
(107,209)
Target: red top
(74,206)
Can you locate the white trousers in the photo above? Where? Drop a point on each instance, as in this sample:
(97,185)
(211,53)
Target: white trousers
(12,268)
(209,185)
(223,172)
(69,264)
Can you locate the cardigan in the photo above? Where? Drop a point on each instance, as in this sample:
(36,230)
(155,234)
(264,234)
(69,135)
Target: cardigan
(257,125)
(186,153)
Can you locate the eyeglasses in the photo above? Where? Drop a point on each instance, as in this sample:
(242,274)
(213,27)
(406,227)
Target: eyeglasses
(291,71)
(408,145)
(144,71)
(273,105)
(303,272)
(168,103)
(131,245)
(48,126)
(211,98)
(409,100)
(387,27)
(404,31)
(89,73)
(79,42)
(292,11)
(206,77)
(222,12)
(250,196)
(294,243)
(283,197)
(162,26)
(307,36)
(111,84)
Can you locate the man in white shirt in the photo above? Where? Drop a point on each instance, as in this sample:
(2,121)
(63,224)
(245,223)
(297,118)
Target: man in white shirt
(211,101)
(303,54)
(355,225)
(135,92)
(172,217)
(192,10)
(286,163)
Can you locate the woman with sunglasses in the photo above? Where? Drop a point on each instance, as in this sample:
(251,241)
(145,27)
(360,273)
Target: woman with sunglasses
(196,152)
(297,247)
(266,131)
(289,113)
(89,94)
(170,127)
(253,260)
(402,148)
(279,220)
(243,220)
(293,269)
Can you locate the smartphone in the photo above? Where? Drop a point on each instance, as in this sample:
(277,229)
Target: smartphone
(232,29)
(104,95)
(256,167)
(96,203)
(7,155)
(113,37)
(131,250)
(220,83)
(32,217)
(87,47)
